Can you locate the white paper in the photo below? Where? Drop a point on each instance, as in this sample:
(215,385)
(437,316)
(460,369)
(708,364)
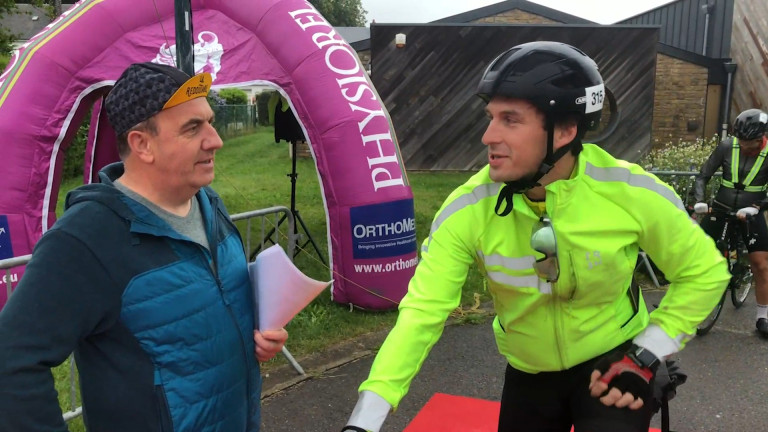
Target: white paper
(280,289)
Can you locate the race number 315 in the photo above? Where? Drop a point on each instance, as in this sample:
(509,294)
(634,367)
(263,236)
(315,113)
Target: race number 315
(595,96)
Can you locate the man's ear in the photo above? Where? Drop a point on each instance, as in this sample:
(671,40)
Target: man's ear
(565,133)
(141,146)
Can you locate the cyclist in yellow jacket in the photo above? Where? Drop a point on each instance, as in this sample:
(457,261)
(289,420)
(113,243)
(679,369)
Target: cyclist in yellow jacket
(742,188)
(556,227)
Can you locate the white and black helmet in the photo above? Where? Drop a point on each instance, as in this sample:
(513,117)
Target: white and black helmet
(555,77)
(750,124)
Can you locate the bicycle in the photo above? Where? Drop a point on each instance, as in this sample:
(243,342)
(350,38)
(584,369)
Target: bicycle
(732,245)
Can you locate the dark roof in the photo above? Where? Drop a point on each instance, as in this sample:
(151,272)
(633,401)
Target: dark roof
(649,11)
(354,34)
(526,6)
(691,26)
(27,21)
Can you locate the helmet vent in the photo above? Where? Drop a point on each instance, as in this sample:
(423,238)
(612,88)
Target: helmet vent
(500,61)
(534,60)
(567,82)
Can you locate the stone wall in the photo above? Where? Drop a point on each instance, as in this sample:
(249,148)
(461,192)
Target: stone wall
(515,16)
(365,58)
(679,102)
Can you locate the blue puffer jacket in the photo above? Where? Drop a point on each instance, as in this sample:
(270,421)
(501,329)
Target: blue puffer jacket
(162,328)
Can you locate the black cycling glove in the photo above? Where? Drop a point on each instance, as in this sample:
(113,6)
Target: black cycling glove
(630,372)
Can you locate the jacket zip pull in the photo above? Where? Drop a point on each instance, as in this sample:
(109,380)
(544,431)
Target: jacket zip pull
(221,289)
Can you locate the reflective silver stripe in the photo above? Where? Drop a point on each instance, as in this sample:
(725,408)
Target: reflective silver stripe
(532,281)
(520,263)
(478,194)
(624,175)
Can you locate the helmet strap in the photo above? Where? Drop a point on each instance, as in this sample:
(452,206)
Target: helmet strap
(529,182)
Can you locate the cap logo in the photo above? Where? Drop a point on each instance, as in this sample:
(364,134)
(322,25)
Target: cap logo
(201,89)
(581,100)
(195,87)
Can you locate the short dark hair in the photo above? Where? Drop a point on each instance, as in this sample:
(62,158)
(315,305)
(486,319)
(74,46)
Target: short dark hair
(149,126)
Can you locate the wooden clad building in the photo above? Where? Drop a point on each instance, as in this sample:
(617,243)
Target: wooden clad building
(690,41)
(750,53)
(429,85)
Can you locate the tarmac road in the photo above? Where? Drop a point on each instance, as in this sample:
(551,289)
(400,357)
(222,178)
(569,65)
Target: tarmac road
(726,391)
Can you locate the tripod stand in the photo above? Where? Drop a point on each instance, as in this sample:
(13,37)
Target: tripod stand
(296,216)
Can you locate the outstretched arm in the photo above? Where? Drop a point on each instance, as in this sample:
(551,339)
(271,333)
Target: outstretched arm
(433,292)
(708,169)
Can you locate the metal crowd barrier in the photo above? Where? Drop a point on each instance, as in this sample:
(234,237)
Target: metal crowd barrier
(263,227)
(671,177)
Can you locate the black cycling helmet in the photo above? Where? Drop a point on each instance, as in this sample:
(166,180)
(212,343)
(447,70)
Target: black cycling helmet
(750,124)
(555,77)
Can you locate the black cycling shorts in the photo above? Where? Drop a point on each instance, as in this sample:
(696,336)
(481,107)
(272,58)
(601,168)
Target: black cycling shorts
(754,230)
(555,401)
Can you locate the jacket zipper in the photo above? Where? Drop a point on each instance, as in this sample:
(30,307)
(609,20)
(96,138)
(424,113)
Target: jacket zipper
(215,272)
(558,339)
(555,302)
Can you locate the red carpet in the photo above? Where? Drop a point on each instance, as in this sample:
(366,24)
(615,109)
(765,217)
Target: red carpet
(448,413)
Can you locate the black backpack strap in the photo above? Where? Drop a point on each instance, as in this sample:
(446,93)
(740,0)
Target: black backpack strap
(665,414)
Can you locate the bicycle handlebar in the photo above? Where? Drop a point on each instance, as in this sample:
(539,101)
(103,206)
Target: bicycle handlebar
(747,211)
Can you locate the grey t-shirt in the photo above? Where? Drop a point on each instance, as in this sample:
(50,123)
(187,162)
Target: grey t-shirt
(190,225)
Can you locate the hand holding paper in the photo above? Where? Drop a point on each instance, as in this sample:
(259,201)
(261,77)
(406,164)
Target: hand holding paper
(281,290)
(269,343)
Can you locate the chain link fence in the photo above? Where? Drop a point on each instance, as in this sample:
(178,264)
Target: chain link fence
(235,120)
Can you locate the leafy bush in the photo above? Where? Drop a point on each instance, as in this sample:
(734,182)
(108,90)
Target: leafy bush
(74,156)
(214,99)
(234,96)
(684,156)
(4,60)
(263,106)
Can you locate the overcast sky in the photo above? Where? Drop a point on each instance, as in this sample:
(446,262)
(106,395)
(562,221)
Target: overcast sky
(422,11)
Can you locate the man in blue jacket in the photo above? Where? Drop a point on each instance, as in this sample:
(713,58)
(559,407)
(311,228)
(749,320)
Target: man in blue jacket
(145,279)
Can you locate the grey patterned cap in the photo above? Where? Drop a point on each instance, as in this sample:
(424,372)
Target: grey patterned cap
(145,89)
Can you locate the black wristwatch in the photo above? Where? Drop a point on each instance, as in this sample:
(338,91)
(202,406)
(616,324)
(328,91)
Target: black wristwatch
(643,358)
(353,429)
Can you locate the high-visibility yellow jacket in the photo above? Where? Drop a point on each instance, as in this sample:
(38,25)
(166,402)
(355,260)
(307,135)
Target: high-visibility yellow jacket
(601,216)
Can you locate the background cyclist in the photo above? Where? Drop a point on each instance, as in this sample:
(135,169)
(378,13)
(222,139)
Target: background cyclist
(744,184)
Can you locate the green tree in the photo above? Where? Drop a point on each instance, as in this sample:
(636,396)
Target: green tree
(4,60)
(234,96)
(8,7)
(6,38)
(341,13)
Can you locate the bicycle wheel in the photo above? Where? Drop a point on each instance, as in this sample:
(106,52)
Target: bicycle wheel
(740,284)
(710,320)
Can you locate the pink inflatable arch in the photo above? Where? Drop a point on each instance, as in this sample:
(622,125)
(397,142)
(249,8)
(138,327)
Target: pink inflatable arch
(70,66)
